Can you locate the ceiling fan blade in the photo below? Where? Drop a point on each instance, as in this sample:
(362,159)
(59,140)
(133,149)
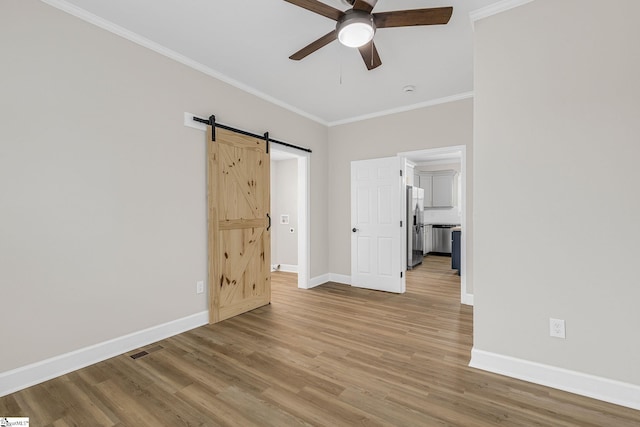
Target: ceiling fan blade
(370,55)
(319,8)
(312,47)
(366,5)
(407,18)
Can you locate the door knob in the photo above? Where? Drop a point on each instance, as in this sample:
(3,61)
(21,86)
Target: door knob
(354,229)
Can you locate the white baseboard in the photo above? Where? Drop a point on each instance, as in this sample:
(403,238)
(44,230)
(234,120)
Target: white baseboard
(467,299)
(330,277)
(318,280)
(340,278)
(288,268)
(600,388)
(35,373)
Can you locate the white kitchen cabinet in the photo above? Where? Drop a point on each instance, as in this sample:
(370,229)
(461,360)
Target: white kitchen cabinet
(439,188)
(426,183)
(442,191)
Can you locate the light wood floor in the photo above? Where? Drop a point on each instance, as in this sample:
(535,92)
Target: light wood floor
(330,356)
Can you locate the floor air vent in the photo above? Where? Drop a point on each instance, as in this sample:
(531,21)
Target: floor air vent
(145,352)
(139,355)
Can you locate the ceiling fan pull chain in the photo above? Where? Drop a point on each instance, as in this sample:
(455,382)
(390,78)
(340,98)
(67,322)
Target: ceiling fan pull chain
(341,51)
(371,43)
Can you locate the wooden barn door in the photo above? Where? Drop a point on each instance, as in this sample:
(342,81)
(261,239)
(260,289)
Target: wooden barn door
(239,224)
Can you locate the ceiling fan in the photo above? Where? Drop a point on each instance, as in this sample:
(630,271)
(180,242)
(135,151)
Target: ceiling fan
(357,26)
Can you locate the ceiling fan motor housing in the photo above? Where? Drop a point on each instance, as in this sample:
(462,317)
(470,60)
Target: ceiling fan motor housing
(361,22)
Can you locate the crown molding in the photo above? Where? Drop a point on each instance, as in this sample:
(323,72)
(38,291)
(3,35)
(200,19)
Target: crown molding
(437,162)
(495,8)
(144,42)
(430,103)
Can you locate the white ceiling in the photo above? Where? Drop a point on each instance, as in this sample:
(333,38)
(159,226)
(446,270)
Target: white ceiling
(248,43)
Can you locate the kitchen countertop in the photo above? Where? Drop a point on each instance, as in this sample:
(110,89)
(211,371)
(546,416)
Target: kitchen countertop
(456,228)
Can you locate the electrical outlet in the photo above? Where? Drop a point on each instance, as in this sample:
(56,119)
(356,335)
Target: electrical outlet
(556,328)
(199,287)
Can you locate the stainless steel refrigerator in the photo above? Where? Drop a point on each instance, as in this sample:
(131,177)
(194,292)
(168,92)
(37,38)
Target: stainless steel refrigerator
(415,235)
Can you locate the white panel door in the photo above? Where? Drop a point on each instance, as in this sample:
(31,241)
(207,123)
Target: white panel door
(376,215)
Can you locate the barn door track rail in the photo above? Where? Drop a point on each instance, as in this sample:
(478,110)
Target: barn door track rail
(211,121)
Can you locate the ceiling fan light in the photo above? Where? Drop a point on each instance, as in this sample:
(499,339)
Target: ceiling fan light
(355,28)
(356,34)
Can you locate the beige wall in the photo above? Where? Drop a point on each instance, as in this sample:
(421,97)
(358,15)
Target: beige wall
(556,149)
(443,125)
(102,188)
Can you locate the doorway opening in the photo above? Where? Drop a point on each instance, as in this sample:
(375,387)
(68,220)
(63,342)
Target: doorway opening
(426,162)
(290,212)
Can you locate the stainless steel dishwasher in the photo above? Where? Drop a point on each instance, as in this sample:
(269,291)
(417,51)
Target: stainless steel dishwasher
(442,238)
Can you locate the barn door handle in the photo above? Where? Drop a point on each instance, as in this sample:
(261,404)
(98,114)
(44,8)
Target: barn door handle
(269,218)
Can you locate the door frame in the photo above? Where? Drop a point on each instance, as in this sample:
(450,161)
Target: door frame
(304,240)
(465,297)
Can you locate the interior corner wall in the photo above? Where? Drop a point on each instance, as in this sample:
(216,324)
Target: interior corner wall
(556,149)
(443,125)
(102,187)
(273,208)
(285,202)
